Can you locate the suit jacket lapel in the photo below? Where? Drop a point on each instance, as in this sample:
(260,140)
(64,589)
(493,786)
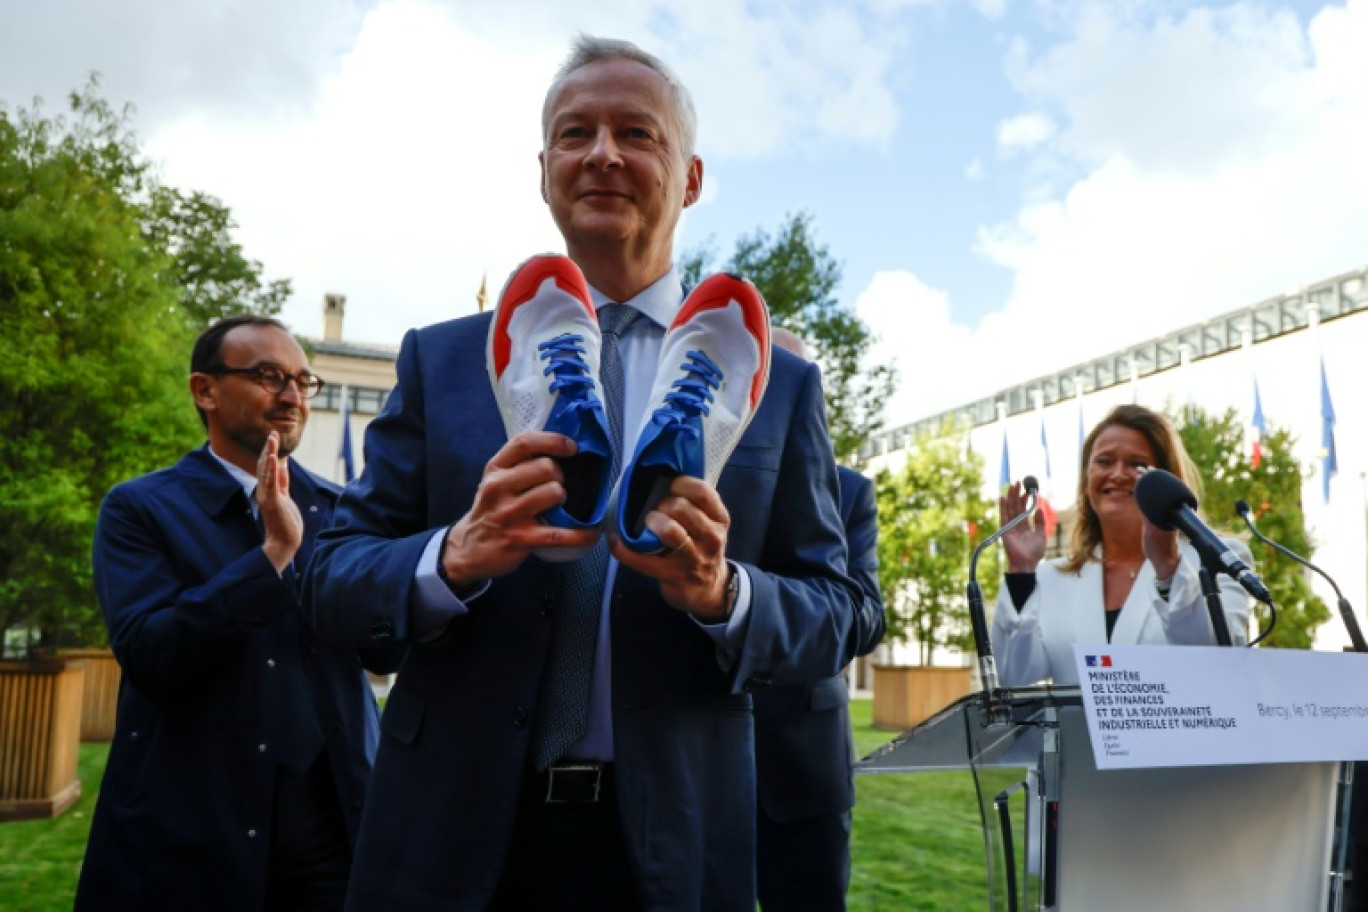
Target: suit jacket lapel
(1137,607)
(218,494)
(1090,620)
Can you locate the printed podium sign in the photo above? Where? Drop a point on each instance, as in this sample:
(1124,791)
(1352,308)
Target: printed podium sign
(1157,706)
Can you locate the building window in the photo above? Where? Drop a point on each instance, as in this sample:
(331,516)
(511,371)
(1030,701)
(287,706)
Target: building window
(364,400)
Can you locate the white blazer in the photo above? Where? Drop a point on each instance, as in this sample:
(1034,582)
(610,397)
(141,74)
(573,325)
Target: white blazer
(1066,608)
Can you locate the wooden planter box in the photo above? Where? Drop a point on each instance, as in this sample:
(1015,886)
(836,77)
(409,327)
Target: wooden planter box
(100,696)
(905,695)
(40,737)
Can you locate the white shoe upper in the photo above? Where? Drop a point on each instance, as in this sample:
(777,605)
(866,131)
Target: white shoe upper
(554,307)
(740,351)
(713,370)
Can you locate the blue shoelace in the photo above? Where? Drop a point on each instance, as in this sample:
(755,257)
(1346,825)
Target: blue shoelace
(692,392)
(566,354)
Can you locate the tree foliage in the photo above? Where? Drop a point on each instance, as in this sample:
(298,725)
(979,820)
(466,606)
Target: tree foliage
(798,277)
(1273,490)
(105,276)
(207,265)
(932,515)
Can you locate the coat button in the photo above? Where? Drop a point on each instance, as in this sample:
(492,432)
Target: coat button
(313,509)
(519,716)
(132,736)
(251,834)
(270,663)
(261,748)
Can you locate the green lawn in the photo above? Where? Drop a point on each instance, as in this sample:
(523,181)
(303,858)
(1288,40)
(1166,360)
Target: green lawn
(39,859)
(916,844)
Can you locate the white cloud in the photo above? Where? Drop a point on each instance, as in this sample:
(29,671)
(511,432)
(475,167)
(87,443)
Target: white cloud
(916,334)
(770,79)
(244,59)
(414,176)
(412,172)
(974,170)
(1187,92)
(991,10)
(1024,131)
(1189,202)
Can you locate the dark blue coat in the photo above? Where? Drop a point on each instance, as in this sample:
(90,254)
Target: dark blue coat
(215,655)
(456,728)
(803,747)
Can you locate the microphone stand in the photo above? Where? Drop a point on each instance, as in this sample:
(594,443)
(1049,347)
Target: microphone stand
(1346,611)
(1347,824)
(1215,610)
(978,619)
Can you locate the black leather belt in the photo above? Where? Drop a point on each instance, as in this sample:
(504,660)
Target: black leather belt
(575,783)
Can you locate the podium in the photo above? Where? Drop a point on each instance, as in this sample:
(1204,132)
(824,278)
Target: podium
(1060,834)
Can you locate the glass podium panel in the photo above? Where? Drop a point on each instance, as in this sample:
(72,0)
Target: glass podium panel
(1060,834)
(1008,748)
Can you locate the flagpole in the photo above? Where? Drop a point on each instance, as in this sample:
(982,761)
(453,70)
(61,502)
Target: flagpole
(1078,400)
(1329,456)
(1185,378)
(344,452)
(1005,473)
(1257,428)
(1039,396)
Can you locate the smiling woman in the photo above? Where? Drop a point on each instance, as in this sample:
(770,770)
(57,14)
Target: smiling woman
(1123,580)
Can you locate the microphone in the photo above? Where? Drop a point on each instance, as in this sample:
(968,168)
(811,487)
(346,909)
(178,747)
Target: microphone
(1345,610)
(977,618)
(1170,504)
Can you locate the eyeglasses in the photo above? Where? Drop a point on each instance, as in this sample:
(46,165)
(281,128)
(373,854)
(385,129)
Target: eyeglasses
(274,380)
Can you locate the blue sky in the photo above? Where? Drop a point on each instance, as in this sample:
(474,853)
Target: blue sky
(1012,185)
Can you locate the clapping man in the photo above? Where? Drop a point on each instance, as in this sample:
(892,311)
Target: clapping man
(242,745)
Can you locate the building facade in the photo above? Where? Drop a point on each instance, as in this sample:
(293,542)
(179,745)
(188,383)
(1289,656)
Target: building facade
(1281,343)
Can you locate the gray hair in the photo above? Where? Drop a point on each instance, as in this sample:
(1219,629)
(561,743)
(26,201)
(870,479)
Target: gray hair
(588,49)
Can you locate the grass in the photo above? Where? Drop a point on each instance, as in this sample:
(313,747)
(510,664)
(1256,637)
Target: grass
(916,843)
(40,859)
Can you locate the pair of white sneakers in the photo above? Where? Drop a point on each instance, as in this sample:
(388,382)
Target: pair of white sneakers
(543,356)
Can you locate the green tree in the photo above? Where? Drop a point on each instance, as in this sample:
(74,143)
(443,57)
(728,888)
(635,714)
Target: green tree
(1216,444)
(214,278)
(798,277)
(932,515)
(92,387)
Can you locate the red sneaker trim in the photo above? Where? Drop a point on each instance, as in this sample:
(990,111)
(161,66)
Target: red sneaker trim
(754,314)
(523,287)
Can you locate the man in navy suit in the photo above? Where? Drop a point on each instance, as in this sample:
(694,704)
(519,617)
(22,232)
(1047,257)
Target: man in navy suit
(654,807)
(242,746)
(803,743)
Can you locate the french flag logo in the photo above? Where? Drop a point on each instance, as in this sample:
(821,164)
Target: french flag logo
(1098,661)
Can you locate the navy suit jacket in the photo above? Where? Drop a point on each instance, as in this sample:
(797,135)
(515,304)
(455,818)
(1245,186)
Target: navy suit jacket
(211,642)
(803,746)
(455,732)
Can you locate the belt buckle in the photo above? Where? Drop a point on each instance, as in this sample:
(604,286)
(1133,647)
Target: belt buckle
(571,774)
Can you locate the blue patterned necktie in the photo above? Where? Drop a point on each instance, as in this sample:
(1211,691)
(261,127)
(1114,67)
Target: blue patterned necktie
(563,710)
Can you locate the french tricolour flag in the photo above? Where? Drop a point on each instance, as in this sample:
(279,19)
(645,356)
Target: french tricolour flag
(1098,661)
(1257,429)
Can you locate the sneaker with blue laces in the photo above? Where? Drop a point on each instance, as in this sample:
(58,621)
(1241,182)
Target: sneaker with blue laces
(543,360)
(714,366)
